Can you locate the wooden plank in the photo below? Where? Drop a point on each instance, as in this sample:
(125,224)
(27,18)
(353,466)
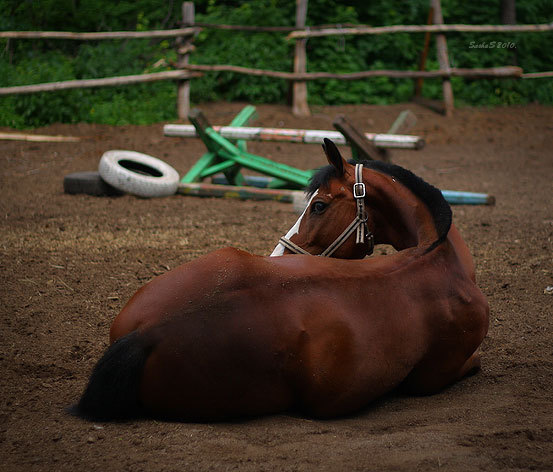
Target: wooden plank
(299,89)
(100,35)
(269,29)
(313,31)
(195,173)
(210,163)
(436,28)
(508,71)
(537,75)
(39,138)
(443,58)
(256,181)
(361,147)
(227,150)
(403,123)
(106,82)
(247,114)
(257,163)
(183,74)
(306,136)
(237,192)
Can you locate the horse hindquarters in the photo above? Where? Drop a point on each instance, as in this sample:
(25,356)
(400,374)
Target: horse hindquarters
(112,392)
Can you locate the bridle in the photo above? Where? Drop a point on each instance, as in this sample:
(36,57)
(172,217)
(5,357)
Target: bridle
(358,225)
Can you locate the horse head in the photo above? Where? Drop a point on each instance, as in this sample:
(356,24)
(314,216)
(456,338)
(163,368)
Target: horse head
(386,203)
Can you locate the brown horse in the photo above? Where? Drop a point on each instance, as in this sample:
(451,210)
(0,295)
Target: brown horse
(232,334)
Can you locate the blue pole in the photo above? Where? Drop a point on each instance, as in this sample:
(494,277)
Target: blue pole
(467,198)
(453,197)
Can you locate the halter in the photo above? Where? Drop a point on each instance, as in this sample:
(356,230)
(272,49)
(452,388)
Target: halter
(359,224)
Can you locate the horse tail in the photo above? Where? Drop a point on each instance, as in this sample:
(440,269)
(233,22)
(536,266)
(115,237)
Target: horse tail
(112,392)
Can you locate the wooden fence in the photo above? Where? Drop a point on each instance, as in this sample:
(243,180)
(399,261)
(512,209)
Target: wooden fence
(184,71)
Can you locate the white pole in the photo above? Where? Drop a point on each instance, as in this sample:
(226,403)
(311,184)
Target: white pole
(307,136)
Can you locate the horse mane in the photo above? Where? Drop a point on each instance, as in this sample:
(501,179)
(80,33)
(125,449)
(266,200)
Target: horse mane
(430,195)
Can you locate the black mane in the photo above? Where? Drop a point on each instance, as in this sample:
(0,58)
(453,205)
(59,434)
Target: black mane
(430,195)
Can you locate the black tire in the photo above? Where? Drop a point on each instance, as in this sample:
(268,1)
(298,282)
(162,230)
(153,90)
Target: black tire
(89,183)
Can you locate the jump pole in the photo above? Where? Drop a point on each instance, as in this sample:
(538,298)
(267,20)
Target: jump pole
(306,136)
(217,139)
(238,192)
(453,197)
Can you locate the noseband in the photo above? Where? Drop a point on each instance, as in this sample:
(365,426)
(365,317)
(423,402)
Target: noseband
(358,225)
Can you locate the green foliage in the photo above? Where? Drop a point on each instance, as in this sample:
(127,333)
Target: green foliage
(247,49)
(37,61)
(140,104)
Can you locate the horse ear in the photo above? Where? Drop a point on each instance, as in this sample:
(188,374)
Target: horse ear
(334,157)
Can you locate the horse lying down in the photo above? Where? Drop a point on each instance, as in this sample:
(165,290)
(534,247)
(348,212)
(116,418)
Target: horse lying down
(234,335)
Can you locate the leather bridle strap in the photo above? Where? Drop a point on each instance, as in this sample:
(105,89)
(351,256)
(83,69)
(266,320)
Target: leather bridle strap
(293,246)
(359,195)
(358,225)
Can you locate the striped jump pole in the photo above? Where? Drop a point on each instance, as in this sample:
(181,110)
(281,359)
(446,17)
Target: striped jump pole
(200,189)
(306,136)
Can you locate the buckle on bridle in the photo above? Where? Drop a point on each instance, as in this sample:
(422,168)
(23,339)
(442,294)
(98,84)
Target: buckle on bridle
(358,225)
(359,190)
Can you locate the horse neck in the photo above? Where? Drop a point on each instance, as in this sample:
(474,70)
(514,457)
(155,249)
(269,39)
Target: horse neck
(400,218)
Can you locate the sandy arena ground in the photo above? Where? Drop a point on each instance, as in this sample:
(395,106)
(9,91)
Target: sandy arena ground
(69,263)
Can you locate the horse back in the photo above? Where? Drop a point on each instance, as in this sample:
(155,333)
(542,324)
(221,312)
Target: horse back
(183,289)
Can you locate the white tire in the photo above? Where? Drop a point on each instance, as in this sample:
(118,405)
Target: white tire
(138,174)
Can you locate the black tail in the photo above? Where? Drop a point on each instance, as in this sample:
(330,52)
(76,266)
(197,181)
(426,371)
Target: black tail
(113,389)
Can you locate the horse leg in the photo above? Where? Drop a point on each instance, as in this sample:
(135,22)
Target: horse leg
(470,367)
(430,378)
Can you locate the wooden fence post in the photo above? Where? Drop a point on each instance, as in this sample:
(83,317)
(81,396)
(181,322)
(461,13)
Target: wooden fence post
(509,17)
(299,106)
(443,59)
(424,54)
(184,47)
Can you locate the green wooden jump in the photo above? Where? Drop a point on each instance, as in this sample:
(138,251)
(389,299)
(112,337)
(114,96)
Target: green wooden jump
(229,156)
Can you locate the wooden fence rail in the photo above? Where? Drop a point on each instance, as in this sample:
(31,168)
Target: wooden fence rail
(270,29)
(174,33)
(435,28)
(507,71)
(295,33)
(299,33)
(105,82)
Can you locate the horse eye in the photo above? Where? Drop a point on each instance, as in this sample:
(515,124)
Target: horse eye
(318,207)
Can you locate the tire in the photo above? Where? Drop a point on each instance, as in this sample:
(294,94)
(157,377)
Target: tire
(138,174)
(89,183)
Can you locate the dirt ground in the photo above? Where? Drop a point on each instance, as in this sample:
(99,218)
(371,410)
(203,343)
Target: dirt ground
(69,263)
